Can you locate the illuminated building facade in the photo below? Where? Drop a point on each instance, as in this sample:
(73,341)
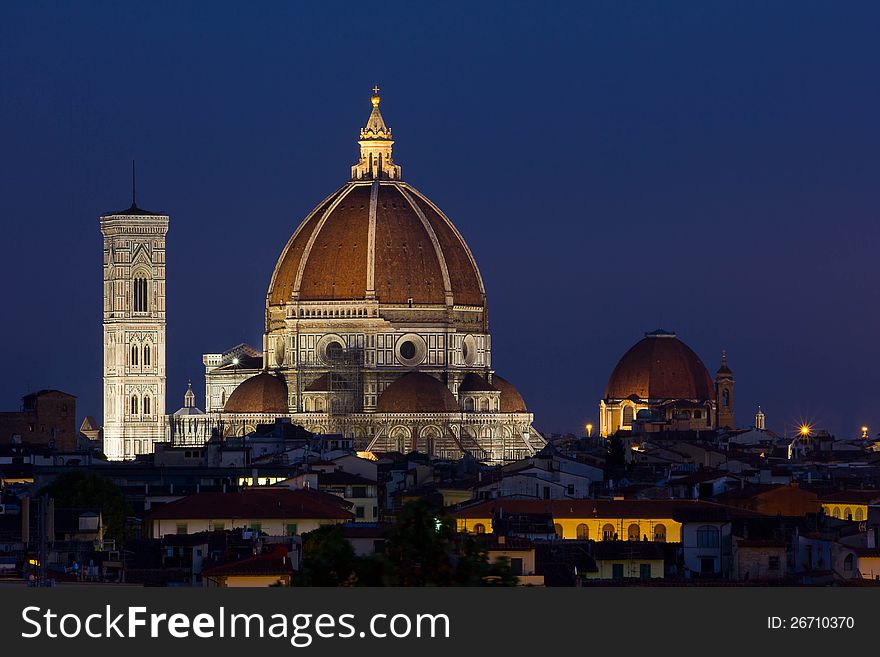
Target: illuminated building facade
(376,328)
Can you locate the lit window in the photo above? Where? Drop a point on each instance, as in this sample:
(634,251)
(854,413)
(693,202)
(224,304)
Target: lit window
(660,533)
(479,528)
(608,532)
(583,532)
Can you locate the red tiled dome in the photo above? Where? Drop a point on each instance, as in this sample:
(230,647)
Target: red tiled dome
(511,400)
(263,393)
(417,392)
(416,252)
(660,366)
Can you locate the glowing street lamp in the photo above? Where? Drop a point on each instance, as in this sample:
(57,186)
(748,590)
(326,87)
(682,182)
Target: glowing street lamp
(589,430)
(864,433)
(805,430)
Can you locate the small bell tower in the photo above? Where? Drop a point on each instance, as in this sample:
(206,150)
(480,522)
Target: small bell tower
(724,395)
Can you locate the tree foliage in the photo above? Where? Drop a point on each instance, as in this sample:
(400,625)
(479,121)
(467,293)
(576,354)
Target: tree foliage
(422,548)
(79,490)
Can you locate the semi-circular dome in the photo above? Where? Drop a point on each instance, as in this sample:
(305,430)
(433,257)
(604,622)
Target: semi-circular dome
(377,238)
(417,392)
(263,393)
(660,366)
(511,400)
(382,241)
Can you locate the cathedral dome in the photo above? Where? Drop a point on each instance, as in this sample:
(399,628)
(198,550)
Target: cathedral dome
(377,238)
(417,392)
(263,393)
(660,366)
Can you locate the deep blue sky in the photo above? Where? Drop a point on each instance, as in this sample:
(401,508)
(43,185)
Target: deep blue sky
(711,168)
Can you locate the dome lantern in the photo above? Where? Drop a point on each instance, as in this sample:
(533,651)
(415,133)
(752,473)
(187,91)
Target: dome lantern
(375,142)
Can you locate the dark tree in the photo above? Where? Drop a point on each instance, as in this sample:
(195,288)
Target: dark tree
(78,490)
(328,558)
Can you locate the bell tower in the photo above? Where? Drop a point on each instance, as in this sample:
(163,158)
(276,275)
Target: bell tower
(134,330)
(724,395)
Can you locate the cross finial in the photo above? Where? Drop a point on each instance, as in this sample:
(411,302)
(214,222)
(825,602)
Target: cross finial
(376,89)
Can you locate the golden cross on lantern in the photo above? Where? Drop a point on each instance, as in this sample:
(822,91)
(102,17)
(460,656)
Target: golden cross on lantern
(376,90)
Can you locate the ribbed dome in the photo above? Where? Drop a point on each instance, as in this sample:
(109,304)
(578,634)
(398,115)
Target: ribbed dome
(381,240)
(417,392)
(660,367)
(263,393)
(511,400)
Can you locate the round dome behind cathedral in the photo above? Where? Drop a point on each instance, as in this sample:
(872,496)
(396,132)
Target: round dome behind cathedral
(660,366)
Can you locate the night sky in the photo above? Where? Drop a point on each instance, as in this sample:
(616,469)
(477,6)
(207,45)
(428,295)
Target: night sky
(615,167)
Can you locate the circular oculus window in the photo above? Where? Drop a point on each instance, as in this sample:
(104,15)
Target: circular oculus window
(469,350)
(411,349)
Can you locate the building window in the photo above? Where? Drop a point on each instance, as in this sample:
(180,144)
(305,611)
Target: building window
(134,354)
(847,513)
(358,512)
(632,532)
(858,515)
(583,532)
(516,566)
(558,529)
(836,512)
(725,397)
(645,570)
(147,405)
(773,563)
(479,528)
(608,532)
(708,537)
(617,571)
(848,563)
(140,294)
(660,533)
(698,415)
(146,354)
(256,527)
(627,416)
(181,528)
(290,529)
(219,526)
(134,405)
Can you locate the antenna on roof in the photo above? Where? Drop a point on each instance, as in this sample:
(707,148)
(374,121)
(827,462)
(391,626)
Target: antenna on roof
(133,185)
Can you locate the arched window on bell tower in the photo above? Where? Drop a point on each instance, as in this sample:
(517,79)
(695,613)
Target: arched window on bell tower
(147,354)
(134,354)
(140,294)
(134,405)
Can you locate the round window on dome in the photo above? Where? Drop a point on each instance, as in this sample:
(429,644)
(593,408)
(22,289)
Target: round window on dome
(408,350)
(411,350)
(469,350)
(334,351)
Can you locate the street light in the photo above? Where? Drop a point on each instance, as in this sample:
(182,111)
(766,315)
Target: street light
(589,430)
(864,433)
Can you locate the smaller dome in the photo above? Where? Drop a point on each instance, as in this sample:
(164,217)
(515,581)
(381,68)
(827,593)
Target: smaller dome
(660,366)
(475,383)
(417,392)
(263,393)
(511,400)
